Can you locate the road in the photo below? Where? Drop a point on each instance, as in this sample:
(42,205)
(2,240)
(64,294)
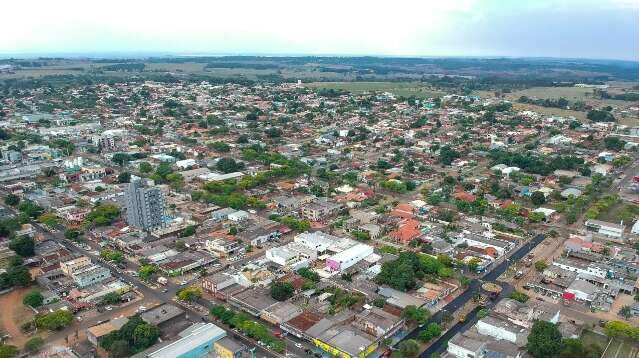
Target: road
(141,287)
(467,295)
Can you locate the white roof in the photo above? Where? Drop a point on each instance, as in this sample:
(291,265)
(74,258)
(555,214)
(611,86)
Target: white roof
(199,336)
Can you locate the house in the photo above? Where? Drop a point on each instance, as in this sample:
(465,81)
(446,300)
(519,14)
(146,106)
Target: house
(319,210)
(98,331)
(407,231)
(377,322)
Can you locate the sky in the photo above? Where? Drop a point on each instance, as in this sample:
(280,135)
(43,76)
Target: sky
(605,29)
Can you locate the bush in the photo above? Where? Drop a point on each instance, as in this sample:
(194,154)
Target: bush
(519,296)
(34,344)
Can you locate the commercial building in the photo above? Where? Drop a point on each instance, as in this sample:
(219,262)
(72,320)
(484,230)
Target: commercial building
(145,205)
(229,348)
(349,257)
(71,266)
(195,342)
(611,230)
(90,275)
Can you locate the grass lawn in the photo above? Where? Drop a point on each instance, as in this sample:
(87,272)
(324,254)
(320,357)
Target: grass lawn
(618,212)
(621,349)
(590,337)
(405,89)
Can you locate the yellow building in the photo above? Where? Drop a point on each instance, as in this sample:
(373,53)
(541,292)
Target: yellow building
(228,348)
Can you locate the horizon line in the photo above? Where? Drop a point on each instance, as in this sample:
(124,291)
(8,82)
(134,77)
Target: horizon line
(158,54)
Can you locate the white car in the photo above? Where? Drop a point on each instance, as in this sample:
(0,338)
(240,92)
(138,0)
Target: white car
(108,308)
(298,345)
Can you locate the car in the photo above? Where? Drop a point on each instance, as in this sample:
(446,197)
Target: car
(184,283)
(108,308)
(298,345)
(165,290)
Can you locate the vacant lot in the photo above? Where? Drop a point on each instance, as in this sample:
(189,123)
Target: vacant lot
(14,314)
(618,348)
(618,212)
(405,89)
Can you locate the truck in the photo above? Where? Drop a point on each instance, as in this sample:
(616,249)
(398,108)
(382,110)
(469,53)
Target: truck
(162,280)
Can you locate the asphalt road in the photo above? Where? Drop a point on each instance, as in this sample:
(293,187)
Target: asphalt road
(467,295)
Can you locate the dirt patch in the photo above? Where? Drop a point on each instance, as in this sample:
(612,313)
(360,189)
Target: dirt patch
(14,314)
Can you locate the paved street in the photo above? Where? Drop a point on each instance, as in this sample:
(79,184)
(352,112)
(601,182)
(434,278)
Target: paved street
(467,295)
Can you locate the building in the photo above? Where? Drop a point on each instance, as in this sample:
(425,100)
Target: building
(195,342)
(98,331)
(71,266)
(163,315)
(90,275)
(349,257)
(318,211)
(145,205)
(611,230)
(229,348)
(293,256)
(499,328)
(461,346)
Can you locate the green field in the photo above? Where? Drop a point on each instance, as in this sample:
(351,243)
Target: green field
(405,89)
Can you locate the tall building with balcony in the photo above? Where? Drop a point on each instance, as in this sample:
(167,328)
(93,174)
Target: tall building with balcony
(145,205)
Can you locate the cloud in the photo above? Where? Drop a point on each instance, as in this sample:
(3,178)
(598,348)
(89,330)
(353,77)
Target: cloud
(349,27)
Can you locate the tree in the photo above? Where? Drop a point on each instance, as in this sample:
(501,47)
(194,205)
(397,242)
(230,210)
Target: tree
(625,312)
(538,198)
(121,158)
(409,348)
(414,314)
(282,291)
(23,245)
(33,299)
(145,167)
(49,219)
(518,296)
(18,275)
(228,165)
(146,271)
(34,344)
(54,320)
(120,349)
(12,200)
(124,177)
(219,147)
(544,340)
(431,331)
(447,155)
(145,335)
(102,215)
(72,235)
(189,294)
(536,217)
(111,298)
(541,265)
